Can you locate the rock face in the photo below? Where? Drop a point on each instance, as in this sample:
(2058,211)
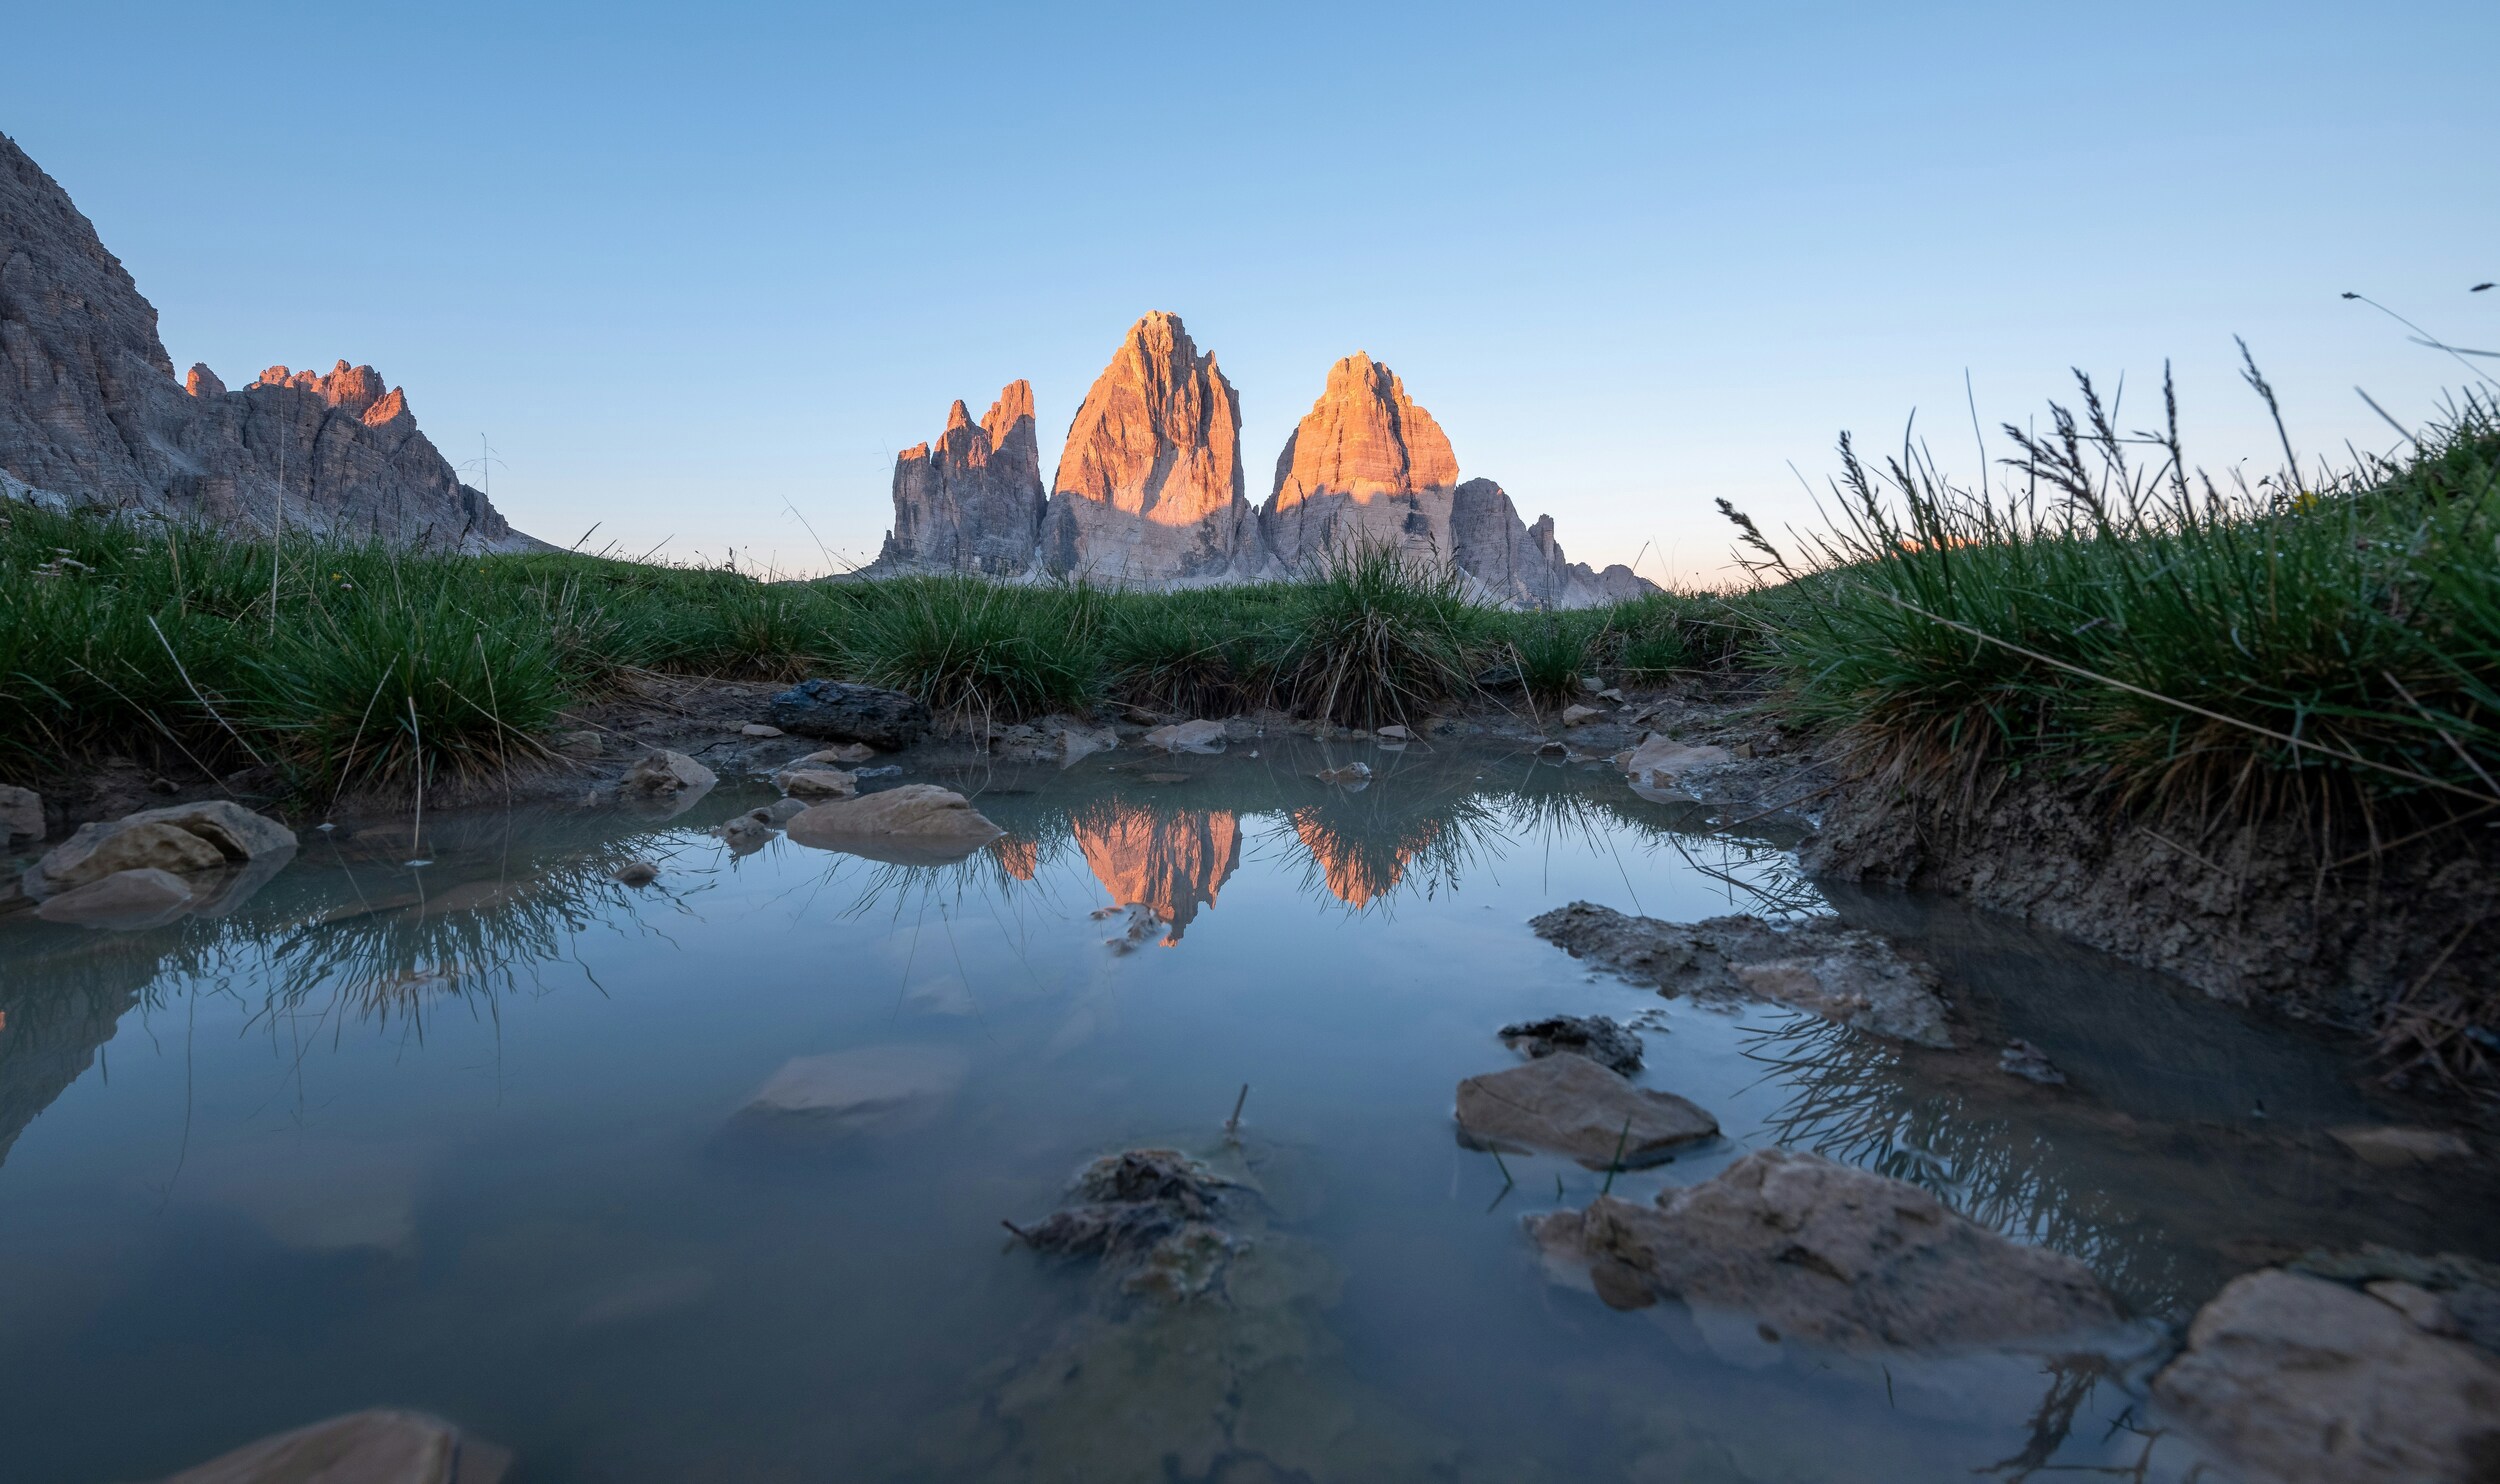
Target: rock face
(2303,1381)
(90,412)
(972,501)
(1149,487)
(1571,1105)
(836,711)
(1828,1254)
(375,1447)
(1846,975)
(1365,466)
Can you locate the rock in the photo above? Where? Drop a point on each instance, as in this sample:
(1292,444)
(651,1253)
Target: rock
(21,814)
(2029,1062)
(237,832)
(91,413)
(1395,733)
(841,712)
(781,811)
(1081,742)
(636,873)
(382,1446)
(914,824)
(661,774)
(1149,1214)
(581,746)
(1571,1105)
(1552,749)
(124,900)
(1366,467)
(1612,694)
(758,729)
(1590,685)
(1522,565)
(869,1089)
(100,850)
(816,783)
(1660,763)
(2298,1380)
(973,501)
(745,834)
(1352,777)
(1594,1036)
(2394,1147)
(1188,736)
(1577,715)
(1818,966)
(1149,488)
(842,756)
(1830,1255)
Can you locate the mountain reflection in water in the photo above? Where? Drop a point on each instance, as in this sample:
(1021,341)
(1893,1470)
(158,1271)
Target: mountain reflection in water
(420,1122)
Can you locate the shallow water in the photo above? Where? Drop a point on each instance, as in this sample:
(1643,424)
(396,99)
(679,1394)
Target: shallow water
(463,1136)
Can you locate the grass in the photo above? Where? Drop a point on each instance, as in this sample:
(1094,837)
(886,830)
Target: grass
(361,666)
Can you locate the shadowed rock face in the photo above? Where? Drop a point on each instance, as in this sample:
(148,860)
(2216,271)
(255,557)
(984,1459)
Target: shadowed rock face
(90,412)
(1149,487)
(971,502)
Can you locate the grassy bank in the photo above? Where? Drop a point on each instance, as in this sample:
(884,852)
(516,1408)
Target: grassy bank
(360,665)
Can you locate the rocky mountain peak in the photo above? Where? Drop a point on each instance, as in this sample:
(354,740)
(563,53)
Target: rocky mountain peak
(972,501)
(1364,437)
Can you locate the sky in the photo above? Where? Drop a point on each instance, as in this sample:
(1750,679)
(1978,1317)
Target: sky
(697,272)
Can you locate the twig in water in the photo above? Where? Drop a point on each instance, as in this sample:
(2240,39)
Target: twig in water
(1497,1164)
(1616,1163)
(1022,1235)
(1232,1125)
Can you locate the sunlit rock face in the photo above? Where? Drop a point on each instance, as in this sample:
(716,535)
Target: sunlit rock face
(972,501)
(90,412)
(1170,864)
(1365,466)
(1149,488)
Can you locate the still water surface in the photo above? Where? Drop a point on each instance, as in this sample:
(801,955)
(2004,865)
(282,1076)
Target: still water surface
(463,1137)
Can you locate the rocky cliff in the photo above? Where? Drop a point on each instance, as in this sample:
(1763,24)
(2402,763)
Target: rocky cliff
(1149,487)
(1365,466)
(90,412)
(973,501)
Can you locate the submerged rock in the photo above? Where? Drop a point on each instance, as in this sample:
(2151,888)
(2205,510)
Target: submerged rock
(124,900)
(636,873)
(1188,736)
(100,850)
(840,757)
(913,824)
(1570,1105)
(21,814)
(1151,1215)
(1828,1254)
(816,783)
(1842,974)
(662,774)
(2022,1059)
(381,1446)
(1596,1037)
(2395,1147)
(839,711)
(864,1090)
(2303,1381)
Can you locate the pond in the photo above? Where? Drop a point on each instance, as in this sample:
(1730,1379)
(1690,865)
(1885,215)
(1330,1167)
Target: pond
(466,1136)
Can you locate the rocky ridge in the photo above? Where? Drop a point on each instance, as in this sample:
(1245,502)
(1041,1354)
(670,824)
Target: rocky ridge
(91,413)
(1150,491)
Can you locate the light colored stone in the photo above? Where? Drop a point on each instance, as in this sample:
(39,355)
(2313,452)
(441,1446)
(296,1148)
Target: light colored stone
(1612,694)
(1659,762)
(1573,716)
(1395,733)
(759,729)
(100,850)
(2396,1147)
(1827,1254)
(1188,736)
(816,783)
(124,900)
(660,773)
(2297,1380)
(580,745)
(382,1446)
(1572,1106)
(842,756)
(915,824)
(1076,742)
(636,873)
(21,814)
(866,1089)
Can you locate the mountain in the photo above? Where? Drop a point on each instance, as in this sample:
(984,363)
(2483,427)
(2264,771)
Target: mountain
(973,501)
(1364,466)
(91,415)
(1149,487)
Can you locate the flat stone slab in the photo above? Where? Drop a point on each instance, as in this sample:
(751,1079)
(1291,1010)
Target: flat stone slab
(866,1089)
(914,824)
(1570,1105)
(382,1446)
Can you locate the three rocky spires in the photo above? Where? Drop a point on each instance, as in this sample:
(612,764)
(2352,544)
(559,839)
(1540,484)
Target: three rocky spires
(1150,489)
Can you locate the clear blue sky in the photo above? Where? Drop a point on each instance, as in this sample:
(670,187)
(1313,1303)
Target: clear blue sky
(694,268)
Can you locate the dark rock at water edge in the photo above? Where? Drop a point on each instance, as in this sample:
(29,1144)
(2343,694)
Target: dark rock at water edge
(1596,1037)
(838,711)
